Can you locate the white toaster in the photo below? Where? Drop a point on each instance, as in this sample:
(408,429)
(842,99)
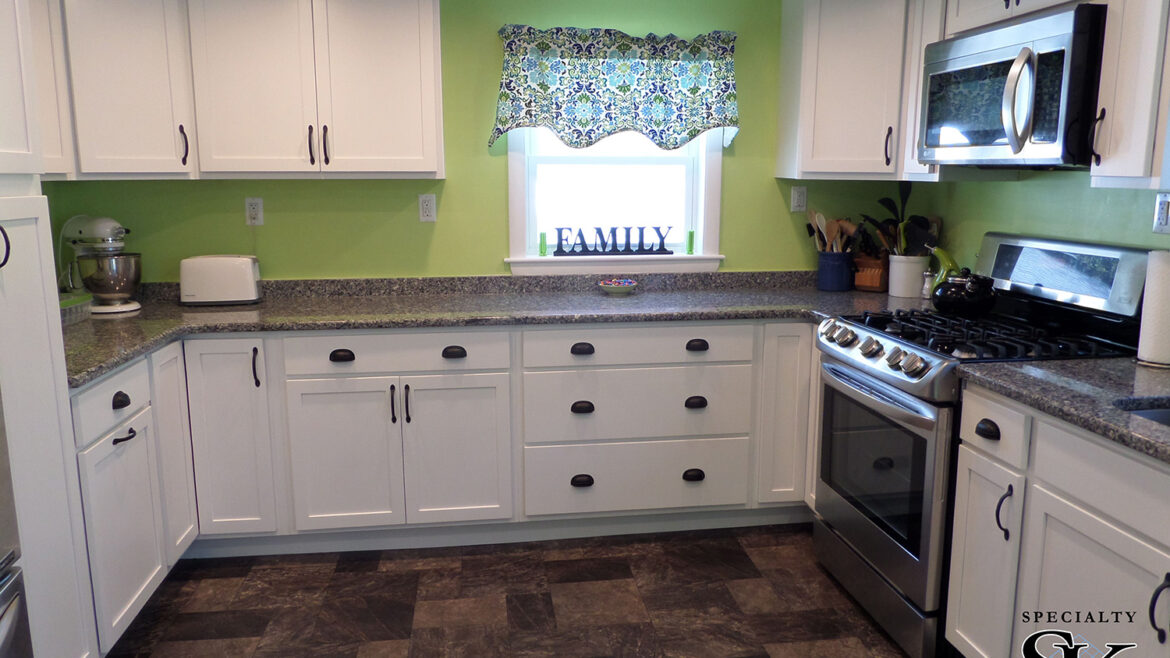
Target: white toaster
(219,280)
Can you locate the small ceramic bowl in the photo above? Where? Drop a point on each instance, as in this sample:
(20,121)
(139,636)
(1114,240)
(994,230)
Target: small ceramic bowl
(618,287)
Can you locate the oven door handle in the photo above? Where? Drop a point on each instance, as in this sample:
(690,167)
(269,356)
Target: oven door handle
(893,404)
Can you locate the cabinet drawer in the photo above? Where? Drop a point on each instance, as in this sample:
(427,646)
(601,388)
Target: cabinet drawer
(639,345)
(586,405)
(1012,445)
(395,352)
(634,476)
(109,402)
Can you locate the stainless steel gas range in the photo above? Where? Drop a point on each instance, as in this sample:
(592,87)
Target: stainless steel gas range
(890,406)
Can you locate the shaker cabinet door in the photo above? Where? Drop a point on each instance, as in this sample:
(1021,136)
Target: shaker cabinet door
(19,148)
(176,475)
(377,84)
(254,89)
(131,80)
(783,422)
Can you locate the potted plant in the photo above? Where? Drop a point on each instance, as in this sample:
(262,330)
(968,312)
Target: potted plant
(906,239)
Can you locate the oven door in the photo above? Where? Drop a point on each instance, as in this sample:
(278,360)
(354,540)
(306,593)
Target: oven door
(882,478)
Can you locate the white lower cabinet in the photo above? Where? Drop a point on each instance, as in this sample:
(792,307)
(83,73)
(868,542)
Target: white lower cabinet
(123,523)
(176,474)
(637,475)
(374,451)
(783,412)
(230,435)
(1077,560)
(985,550)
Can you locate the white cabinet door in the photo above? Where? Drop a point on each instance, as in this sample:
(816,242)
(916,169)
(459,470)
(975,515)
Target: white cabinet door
(19,148)
(377,84)
(346,452)
(32,377)
(119,494)
(456,435)
(988,498)
(783,408)
(254,89)
(850,116)
(969,14)
(131,82)
(1075,560)
(54,118)
(230,435)
(1130,85)
(176,475)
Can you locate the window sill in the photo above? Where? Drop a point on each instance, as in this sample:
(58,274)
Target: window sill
(614,264)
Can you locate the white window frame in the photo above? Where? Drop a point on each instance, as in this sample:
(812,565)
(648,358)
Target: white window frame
(705,259)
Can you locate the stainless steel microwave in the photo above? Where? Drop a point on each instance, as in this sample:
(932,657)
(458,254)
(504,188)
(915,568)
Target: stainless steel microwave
(1023,94)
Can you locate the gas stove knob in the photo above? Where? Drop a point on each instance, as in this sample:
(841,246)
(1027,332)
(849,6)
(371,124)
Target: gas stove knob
(846,338)
(870,347)
(894,358)
(830,327)
(914,365)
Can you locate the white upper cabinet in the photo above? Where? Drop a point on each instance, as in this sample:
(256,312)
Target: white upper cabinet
(841,88)
(19,150)
(311,86)
(969,14)
(54,118)
(254,87)
(377,95)
(130,74)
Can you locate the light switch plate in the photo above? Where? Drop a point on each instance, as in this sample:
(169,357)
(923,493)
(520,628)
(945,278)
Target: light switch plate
(1162,213)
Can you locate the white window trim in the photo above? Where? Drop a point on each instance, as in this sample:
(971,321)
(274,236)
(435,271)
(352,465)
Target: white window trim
(523,264)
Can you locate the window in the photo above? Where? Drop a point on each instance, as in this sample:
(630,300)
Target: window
(621,181)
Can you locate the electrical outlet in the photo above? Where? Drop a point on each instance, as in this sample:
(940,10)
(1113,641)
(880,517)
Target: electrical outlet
(426,208)
(1162,213)
(799,199)
(254,211)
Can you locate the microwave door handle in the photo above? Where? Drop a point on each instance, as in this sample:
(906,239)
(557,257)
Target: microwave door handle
(1016,136)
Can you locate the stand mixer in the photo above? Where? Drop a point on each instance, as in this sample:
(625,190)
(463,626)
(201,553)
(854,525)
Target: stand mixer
(107,273)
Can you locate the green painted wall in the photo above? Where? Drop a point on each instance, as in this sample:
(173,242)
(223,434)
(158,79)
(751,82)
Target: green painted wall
(370,228)
(348,228)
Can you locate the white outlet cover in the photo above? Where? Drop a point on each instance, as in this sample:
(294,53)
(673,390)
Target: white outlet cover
(427,211)
(254,211)
(1162,213)
(799,201)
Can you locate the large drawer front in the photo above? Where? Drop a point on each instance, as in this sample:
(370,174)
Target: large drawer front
(637,345)
(588,405)
(395,352)
(109,402)
(635,476)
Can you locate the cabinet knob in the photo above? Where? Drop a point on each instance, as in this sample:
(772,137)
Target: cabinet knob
(341,356)
(694,475)
(122,439)
(454,352)
(698,345)
(120,401)
(581,349)
(582,480)
(695,402)
(987,429)
(581,407)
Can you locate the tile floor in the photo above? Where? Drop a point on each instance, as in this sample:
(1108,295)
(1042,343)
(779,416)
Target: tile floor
(719,593)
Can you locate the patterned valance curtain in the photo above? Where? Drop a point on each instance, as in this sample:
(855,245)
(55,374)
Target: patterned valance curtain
(589,84)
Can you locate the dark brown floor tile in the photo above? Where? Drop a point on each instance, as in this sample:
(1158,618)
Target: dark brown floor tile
(316,631)
(598,603)
(798,589)
(800,626)
(310,560)
(419,560)
(459,642)
(239,646)
(487,611)
(400,586)
(786,556)
(576,571)
(530,612)
(223,567)
(693,596)
(358,561)
(799,534)
(388,649)
(511,573)
(755,596)
(702,561)
(212,594)
(706,634)
(272,587)
(218,625)
(624,641)
(439,584)
(846,646)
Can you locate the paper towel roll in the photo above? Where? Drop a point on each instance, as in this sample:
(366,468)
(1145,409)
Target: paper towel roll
(1154,341)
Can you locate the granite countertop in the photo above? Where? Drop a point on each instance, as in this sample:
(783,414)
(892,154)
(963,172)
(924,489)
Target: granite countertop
(1082,392)
(97,346)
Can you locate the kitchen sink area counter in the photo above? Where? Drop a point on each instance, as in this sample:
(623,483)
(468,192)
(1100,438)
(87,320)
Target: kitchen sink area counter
(1097,395)
(96,347)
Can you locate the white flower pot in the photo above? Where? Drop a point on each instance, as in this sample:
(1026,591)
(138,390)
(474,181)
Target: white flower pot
(906,275)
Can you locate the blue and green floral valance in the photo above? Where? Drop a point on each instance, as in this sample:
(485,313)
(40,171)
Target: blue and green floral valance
(586,84)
